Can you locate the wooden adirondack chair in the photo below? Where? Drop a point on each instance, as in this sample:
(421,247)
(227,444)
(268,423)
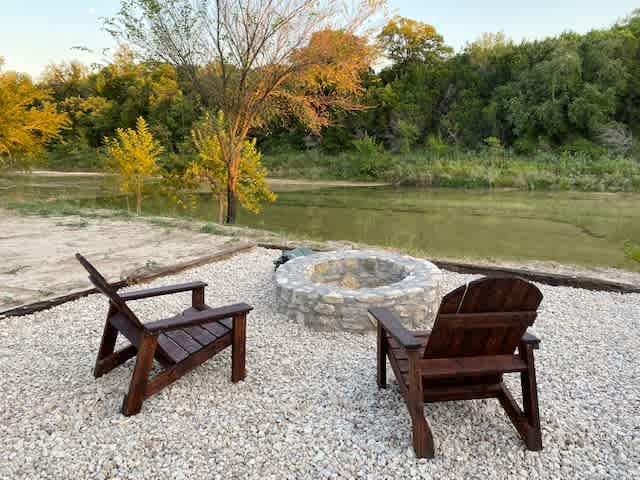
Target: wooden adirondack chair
(472,344)
(179,343)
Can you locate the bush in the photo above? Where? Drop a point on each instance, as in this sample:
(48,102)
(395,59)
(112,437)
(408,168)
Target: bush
(437,145)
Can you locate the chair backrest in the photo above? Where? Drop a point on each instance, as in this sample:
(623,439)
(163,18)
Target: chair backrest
(485,317)
(101,284)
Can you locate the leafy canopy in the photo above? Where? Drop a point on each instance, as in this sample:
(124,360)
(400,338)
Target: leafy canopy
(408,41)
(210,167)
(28,120)
(133,153)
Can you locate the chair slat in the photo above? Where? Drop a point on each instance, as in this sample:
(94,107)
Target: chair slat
(202,336)
(218,329)
(185,340)
(463,366)
(171,349)
(485,317)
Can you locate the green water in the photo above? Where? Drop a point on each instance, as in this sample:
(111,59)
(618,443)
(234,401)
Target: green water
(566,227)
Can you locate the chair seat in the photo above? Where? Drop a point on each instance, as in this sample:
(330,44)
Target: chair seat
(177,345)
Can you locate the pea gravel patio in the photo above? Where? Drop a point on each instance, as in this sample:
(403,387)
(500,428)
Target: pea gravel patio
(309,407)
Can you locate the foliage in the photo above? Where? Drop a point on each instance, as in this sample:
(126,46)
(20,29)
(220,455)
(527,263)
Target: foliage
(209,166)
(407,41)
(632,250)
(133,153)
(115,95)
(28,120)
(254,61)
(550,113)
(454,168)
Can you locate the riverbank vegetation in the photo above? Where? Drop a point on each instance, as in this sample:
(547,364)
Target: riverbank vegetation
(557,113)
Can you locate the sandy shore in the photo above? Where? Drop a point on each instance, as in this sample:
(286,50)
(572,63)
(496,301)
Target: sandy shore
(38,252)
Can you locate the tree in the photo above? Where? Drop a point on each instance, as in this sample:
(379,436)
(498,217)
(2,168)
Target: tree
(242,57)
(408,41)
(209,167)
(133,154)
(28,120)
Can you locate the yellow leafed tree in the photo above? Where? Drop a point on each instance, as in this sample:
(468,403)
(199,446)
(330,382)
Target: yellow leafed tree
(133,153)
(27,120)
(210,167)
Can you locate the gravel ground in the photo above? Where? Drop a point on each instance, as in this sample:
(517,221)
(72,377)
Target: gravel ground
(309,407)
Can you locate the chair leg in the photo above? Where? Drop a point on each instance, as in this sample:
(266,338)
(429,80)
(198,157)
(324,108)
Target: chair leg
(529,434)
(530,400)
(422,436)
(197,298)
(383,345)
(107,344)
(135,397)
(115,359)
(238,348)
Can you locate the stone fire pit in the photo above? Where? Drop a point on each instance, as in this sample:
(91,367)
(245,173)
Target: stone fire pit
(332,291)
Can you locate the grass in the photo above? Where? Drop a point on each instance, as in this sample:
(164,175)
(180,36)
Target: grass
(212,228)
(632,250)
(487,168)
(61,208)
(484,169)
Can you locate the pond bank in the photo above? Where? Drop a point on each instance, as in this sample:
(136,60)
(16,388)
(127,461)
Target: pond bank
(572,228)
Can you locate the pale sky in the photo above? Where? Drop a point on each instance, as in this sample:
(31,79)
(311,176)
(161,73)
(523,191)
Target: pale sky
(35,33)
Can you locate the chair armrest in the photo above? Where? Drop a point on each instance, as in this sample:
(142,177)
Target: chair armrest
(530,339)
(196,318)
(166,290)
(392,325)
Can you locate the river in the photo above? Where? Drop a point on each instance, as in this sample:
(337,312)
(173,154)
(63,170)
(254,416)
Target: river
(579,228)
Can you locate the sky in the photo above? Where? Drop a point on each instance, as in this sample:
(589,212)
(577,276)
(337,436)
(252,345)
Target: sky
(35,33)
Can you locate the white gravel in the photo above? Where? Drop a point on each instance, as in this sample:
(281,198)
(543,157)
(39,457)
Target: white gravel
(309,407)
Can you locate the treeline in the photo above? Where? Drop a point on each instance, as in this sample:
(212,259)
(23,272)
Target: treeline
(576,94)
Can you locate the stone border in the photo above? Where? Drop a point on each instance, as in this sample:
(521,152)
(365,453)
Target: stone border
(415,299)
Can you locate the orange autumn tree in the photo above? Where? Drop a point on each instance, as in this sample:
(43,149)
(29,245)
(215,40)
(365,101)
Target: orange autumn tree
(246,58)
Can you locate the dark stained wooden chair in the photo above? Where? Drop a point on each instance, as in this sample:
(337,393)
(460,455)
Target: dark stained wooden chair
(473,343)
(179,343)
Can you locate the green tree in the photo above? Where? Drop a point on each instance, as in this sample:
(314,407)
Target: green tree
(133,153)
(209,167)
(406,41)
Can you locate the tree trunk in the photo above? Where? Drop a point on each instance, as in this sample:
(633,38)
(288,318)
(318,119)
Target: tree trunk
(220,198)
(232,180)
(138,199)
(231,201)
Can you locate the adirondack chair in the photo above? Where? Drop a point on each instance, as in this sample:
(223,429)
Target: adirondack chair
(179,343)
(473,343)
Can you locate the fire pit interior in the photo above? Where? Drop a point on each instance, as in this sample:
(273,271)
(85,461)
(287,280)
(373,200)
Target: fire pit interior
(332,291)
(358,272)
